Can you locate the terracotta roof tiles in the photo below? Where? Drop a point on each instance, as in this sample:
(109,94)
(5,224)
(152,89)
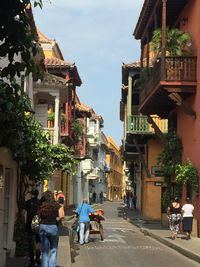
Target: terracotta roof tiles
(56,62)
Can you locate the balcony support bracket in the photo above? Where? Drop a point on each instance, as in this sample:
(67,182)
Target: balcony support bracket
(182,104)
(141,157)
(157,130)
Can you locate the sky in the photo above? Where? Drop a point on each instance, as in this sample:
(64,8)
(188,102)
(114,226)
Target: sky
(98,37)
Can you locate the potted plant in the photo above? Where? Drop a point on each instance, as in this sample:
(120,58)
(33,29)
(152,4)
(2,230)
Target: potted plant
(177,42)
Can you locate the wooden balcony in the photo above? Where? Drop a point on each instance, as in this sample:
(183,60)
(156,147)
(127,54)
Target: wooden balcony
(138,125)
(178,76)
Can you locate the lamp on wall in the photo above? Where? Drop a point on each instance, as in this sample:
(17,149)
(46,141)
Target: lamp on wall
(184,21)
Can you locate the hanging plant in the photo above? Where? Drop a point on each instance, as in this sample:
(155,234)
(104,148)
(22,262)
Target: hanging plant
(187,174)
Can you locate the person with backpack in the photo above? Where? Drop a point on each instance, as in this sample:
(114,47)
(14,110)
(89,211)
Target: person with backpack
(31,207)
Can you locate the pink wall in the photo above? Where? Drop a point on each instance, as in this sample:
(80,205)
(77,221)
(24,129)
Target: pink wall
(188,127)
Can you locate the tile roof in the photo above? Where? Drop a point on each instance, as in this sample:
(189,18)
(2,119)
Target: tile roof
(49,79)
(83,108)
(56,62)
(134,64)
(43,38)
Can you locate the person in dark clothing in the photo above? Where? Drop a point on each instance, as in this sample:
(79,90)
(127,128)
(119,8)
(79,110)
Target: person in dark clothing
(31,207)
(101,197)
(94,197)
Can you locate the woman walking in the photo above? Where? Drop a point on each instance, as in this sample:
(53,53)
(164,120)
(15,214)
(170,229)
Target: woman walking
(50,213)
(174,216)
(187,210)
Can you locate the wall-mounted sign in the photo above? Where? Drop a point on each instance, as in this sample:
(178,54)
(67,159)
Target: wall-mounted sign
(1,177)
(158,183)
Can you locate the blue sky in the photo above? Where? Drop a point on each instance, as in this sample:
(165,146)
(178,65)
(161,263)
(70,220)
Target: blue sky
(97,36)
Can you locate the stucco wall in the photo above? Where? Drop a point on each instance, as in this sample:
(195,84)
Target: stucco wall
(9,164)
(188,127)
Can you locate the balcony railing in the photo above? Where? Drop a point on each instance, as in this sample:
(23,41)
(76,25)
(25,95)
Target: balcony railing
(138,124)
(177,69)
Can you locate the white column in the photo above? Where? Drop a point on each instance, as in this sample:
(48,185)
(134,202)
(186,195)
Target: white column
(56,120)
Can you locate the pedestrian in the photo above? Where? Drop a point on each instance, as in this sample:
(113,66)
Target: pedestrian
(134,201)
(94,197)
(174,216)
(127,199)
(187,213)
(31,207)
(101,197)
(90,197)
(131,200)
(83,210)
(60,197)
(50,213)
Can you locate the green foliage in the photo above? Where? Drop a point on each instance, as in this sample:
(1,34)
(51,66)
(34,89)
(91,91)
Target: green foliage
(176,42)
(171,155)
(62,158)
(51,116)
(168,159)
(187,174)
(17,37)
(77,130)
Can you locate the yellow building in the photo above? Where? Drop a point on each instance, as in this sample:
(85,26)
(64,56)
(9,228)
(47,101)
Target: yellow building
(115,183)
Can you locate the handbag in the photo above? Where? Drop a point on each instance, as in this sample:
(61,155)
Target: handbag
(35,224)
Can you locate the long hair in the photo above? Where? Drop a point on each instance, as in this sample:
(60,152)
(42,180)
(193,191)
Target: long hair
(47,203)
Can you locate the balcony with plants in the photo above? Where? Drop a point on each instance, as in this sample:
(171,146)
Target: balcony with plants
(169,74)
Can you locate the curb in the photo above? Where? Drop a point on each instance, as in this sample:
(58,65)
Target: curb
(181,250)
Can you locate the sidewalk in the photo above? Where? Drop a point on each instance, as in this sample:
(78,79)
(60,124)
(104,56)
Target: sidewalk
(64,246)
(189,248)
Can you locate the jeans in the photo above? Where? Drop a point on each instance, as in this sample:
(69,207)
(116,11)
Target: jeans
(33,242)
(84,232)
(49,241)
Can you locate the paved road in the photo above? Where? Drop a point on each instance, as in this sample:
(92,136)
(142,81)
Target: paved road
(125,246)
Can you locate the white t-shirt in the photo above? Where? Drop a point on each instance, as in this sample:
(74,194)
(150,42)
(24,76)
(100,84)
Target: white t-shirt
(187,210)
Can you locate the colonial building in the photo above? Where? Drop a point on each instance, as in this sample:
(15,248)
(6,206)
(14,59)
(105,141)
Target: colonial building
(142,142)
(115,176)
(171,89)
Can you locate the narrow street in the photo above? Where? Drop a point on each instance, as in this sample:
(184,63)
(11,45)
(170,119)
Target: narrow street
(125,245)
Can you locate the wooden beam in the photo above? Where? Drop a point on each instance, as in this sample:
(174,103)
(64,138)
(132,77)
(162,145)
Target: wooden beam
(158,132)
(180,90)
(182,104)
(163,49)
(141,158)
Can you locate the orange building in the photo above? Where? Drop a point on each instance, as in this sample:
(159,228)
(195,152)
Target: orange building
(172,90)
(115,184)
